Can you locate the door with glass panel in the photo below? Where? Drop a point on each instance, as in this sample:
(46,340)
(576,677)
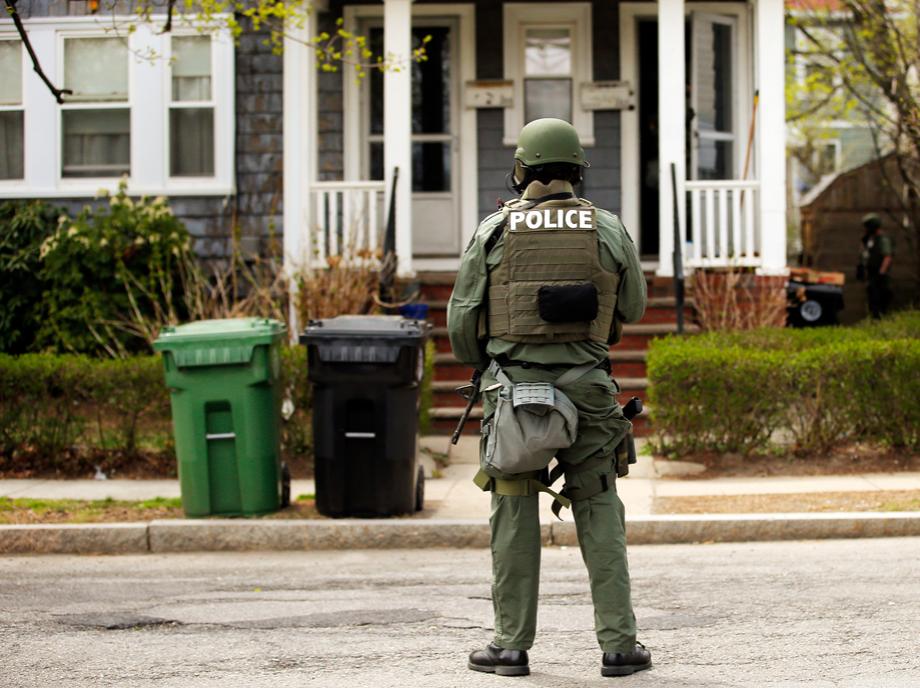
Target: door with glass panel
(435,139)
(547,71)
(714,117)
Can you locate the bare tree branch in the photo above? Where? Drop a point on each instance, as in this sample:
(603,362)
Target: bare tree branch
(167,27)
(58,93)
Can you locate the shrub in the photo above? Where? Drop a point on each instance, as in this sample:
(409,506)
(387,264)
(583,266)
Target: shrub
(23,229)
(67,413)
(732,392)
(107,268)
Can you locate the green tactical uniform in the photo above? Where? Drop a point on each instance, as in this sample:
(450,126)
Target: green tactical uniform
(589,463)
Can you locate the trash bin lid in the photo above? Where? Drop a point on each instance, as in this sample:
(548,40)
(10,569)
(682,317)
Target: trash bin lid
(218,342)
(391,327)
(363,338)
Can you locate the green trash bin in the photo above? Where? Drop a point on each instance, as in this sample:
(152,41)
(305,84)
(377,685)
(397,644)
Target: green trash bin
(223,377)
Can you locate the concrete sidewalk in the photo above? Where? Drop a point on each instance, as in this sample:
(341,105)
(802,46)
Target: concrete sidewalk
(452,495)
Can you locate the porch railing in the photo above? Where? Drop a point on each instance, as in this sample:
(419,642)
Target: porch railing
(723,226)
(345,219)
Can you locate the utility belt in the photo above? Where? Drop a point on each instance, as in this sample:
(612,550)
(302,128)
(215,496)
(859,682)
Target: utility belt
(533,482)
(530,482)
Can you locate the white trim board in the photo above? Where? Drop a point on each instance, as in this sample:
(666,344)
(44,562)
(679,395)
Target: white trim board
(630,12)
(465,15)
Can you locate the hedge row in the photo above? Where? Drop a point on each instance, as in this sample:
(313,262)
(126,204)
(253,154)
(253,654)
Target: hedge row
(741,392)
(68,413)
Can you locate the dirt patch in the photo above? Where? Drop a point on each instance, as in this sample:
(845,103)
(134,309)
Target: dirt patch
(35,511)
(851,460)
(882,500)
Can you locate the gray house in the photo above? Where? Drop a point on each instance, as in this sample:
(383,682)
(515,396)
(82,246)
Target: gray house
(234,134)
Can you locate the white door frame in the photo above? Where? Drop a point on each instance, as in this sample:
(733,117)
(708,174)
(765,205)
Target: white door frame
(468,179)
(630,12)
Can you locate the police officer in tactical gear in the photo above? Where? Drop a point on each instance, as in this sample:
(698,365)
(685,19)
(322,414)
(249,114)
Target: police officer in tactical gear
(544,287)
(875,261)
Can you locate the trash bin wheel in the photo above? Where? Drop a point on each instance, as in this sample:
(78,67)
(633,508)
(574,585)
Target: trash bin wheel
(811,311)
(420,490)
(285,485)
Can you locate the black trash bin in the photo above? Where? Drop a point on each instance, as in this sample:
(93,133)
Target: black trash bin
(366,371)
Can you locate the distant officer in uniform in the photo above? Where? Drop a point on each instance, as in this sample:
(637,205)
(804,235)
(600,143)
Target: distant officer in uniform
(877,255)
(539,299)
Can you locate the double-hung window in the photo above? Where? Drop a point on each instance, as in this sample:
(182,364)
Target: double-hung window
(12,119)
(191,110)
(96,119)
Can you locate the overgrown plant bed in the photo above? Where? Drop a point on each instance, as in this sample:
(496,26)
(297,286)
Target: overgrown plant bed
(804,392)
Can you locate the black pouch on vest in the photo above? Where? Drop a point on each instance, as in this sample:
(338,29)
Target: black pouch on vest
(569,303)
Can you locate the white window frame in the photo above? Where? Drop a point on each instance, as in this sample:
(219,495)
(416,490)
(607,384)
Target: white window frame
(520,16)
(21,107)
(61,38)
(149,108)
(170,104)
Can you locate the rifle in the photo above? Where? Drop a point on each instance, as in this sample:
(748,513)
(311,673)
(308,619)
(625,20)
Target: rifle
(470,392)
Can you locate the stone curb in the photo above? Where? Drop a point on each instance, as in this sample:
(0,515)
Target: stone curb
(103,538)
(234,535)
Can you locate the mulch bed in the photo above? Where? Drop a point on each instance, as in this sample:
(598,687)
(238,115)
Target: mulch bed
(882,500)
(851,460)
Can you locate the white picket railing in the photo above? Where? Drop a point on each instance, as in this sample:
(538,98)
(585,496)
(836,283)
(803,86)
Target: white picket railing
(345,219)
(722,218)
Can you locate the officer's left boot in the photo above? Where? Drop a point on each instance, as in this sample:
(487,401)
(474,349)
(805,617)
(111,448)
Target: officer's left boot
(497,660)
(626,663)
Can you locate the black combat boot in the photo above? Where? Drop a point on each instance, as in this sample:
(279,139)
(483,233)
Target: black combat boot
(496,660)
(626,663)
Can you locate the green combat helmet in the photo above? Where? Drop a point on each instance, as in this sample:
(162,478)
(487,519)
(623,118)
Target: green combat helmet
(549,140)
(872,221)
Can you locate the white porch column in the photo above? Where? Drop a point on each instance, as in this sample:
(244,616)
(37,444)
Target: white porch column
(299,125)
(397,121)
(771,133)
(672,113)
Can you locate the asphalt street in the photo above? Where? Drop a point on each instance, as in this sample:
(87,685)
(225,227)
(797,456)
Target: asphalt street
(830,613)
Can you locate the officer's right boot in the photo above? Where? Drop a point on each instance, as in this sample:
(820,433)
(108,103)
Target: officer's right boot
(497,660)
(626,663)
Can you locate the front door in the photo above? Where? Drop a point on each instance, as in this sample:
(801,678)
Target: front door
(712,118)
(435,140)
(712,111)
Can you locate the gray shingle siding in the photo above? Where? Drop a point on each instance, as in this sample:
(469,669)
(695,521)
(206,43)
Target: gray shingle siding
(329,120)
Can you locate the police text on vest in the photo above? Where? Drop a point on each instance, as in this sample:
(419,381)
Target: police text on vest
(553,218)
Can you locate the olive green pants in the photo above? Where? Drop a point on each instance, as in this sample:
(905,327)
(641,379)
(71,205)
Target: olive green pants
(599,521)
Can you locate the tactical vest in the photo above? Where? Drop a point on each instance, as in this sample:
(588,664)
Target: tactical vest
(543,289)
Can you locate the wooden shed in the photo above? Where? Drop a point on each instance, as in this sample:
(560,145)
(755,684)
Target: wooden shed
(832,215)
